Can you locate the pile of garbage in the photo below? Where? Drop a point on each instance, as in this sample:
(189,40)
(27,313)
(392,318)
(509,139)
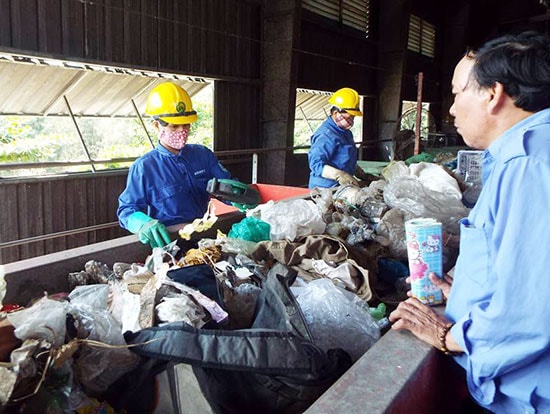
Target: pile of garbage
(69,351)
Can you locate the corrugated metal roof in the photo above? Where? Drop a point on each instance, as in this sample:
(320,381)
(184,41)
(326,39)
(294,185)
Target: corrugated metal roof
(37,86)
(312,105)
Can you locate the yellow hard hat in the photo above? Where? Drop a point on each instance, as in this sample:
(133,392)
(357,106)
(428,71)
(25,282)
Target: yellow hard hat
(170,103)
(346,99)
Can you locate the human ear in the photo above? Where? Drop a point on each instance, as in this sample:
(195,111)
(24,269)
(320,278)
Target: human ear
(496,97)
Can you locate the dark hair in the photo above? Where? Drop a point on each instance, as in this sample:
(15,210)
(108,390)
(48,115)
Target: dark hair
(335,108)
(521,63)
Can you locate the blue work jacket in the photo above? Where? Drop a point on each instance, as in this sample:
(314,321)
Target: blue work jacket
(334,146)
(169,187)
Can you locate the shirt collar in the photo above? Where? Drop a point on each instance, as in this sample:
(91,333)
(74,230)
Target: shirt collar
(166,152)
(510,144)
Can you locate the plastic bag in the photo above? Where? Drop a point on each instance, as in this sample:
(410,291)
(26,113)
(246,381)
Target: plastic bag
(251,229)
(335,320)
(125,307)
(391,233)
(97,366)
(410,195)
(435,178)
(45,320)
(180,307)
(95,296)
(291,219)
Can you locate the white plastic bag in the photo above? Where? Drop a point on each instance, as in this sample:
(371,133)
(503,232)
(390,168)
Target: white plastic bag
(335,320)
(291,219)
(410,195)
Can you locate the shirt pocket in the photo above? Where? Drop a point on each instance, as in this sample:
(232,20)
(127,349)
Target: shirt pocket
(474,253)
(168,199)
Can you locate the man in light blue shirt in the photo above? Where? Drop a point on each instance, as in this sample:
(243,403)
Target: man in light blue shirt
(498,303)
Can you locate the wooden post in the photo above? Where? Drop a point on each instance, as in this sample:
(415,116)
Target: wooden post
(418,113)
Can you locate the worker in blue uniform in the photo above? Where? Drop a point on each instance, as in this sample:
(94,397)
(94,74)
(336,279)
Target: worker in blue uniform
(333,155)
(167,185)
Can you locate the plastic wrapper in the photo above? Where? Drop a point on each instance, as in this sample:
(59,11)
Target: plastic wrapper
(360,232)
(147,303)
(8,378)
(161,255)
(373,209)
(22,376)
(136,277)
(199,225)
(336,320)
(346,199)
(230,245)
(354,230)
(217,313)
(322,197)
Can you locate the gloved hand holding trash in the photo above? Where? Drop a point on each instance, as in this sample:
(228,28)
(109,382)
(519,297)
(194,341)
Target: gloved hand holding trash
(150,231)
(342,177)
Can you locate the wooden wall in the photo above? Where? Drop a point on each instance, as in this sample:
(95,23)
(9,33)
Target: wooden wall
(216,38)
(34,207)
(331,58)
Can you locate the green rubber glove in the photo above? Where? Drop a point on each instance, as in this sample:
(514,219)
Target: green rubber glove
(150,231)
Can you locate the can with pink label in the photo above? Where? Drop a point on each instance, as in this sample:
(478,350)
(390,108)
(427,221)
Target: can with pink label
(424,251)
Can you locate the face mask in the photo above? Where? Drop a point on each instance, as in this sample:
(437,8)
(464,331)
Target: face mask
(343,122)
(174,139)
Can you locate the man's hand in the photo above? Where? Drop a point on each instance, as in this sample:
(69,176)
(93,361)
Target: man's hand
(443,284)
(421,320)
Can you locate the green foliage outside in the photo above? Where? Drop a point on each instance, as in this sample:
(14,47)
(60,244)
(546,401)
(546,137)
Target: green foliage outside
(33,139)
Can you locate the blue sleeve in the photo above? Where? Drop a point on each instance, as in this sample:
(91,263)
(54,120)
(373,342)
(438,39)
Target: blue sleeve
(217,169)
(320,153)
(134,196)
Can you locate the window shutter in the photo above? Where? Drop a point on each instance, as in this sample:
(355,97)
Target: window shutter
(421,36)
(351,13)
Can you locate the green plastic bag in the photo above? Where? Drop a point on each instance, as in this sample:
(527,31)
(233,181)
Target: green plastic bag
(422,157)
(251,229)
